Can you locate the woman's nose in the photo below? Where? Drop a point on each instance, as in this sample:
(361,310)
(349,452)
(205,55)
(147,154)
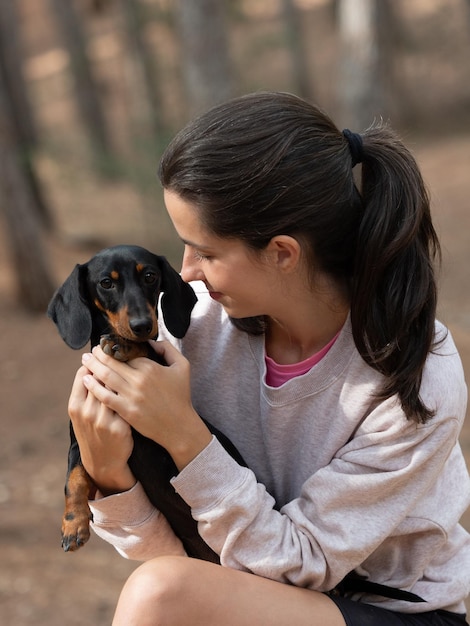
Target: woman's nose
(190,270)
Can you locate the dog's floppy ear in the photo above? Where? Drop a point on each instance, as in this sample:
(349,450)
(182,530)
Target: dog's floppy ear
(178,300)
(69,310)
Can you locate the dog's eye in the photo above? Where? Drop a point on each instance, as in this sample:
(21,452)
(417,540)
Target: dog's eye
(150,278)
(106,283)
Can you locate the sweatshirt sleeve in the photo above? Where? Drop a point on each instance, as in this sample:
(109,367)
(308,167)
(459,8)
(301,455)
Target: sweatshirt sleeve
(366,492)
(133,526)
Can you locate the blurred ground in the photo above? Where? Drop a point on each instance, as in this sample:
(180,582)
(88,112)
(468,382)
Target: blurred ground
(39,584)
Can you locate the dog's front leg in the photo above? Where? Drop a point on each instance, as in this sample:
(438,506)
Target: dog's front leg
(78,489)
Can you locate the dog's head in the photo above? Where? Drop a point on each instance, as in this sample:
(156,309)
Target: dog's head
(117,291)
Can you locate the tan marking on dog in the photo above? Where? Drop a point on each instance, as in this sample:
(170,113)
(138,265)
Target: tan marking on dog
(120,323)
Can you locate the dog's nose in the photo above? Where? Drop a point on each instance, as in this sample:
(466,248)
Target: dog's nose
(141,327)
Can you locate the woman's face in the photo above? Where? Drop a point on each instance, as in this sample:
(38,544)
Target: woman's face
(243,282)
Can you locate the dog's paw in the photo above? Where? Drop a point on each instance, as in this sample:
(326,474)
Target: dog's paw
(115,346)
(122,349)
(75,529)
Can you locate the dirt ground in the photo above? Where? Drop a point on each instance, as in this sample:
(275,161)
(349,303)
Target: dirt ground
(39,584)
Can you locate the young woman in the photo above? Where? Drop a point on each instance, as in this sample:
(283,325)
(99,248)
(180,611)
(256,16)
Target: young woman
(314,347)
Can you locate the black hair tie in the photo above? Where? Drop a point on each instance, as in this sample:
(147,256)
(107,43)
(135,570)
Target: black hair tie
(356,147)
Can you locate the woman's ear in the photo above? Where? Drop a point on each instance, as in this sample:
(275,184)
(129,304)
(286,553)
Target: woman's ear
(285,251)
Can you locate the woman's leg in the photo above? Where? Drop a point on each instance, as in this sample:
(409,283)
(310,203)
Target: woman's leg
(179,590)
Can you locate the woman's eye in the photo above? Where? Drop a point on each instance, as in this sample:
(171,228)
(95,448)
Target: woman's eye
(200,257)
(106,283)
(150,278)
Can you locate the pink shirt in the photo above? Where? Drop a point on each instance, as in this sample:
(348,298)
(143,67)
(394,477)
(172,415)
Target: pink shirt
(277,375)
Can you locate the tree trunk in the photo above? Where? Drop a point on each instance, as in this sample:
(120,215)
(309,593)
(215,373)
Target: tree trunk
(302,80)
(17,102)
(32,275)
(12,60)
(132,12)
(360,87)
(205,56)
(85,85)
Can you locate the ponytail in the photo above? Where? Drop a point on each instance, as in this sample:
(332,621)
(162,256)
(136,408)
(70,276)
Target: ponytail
(393,298)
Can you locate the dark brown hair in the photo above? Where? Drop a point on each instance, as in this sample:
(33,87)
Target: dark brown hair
(270,163)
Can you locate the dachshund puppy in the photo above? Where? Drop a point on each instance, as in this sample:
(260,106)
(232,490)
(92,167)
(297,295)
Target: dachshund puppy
(112,300)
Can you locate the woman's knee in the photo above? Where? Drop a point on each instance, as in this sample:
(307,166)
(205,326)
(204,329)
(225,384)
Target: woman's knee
(155,592)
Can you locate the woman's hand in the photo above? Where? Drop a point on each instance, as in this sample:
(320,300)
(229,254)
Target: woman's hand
(104,438)
(154,399)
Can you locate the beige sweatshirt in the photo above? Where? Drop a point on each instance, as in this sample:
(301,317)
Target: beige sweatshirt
(336,482)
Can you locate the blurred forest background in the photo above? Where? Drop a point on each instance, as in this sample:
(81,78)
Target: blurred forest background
(90,93)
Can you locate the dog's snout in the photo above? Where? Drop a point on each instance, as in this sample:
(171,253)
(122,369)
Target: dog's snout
(141,327)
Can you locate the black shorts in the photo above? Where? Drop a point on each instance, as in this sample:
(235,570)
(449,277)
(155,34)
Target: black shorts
(362,614)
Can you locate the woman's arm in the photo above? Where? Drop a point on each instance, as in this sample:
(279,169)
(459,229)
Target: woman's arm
(104,438)
(372,497)
(130,523)
(121,510)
